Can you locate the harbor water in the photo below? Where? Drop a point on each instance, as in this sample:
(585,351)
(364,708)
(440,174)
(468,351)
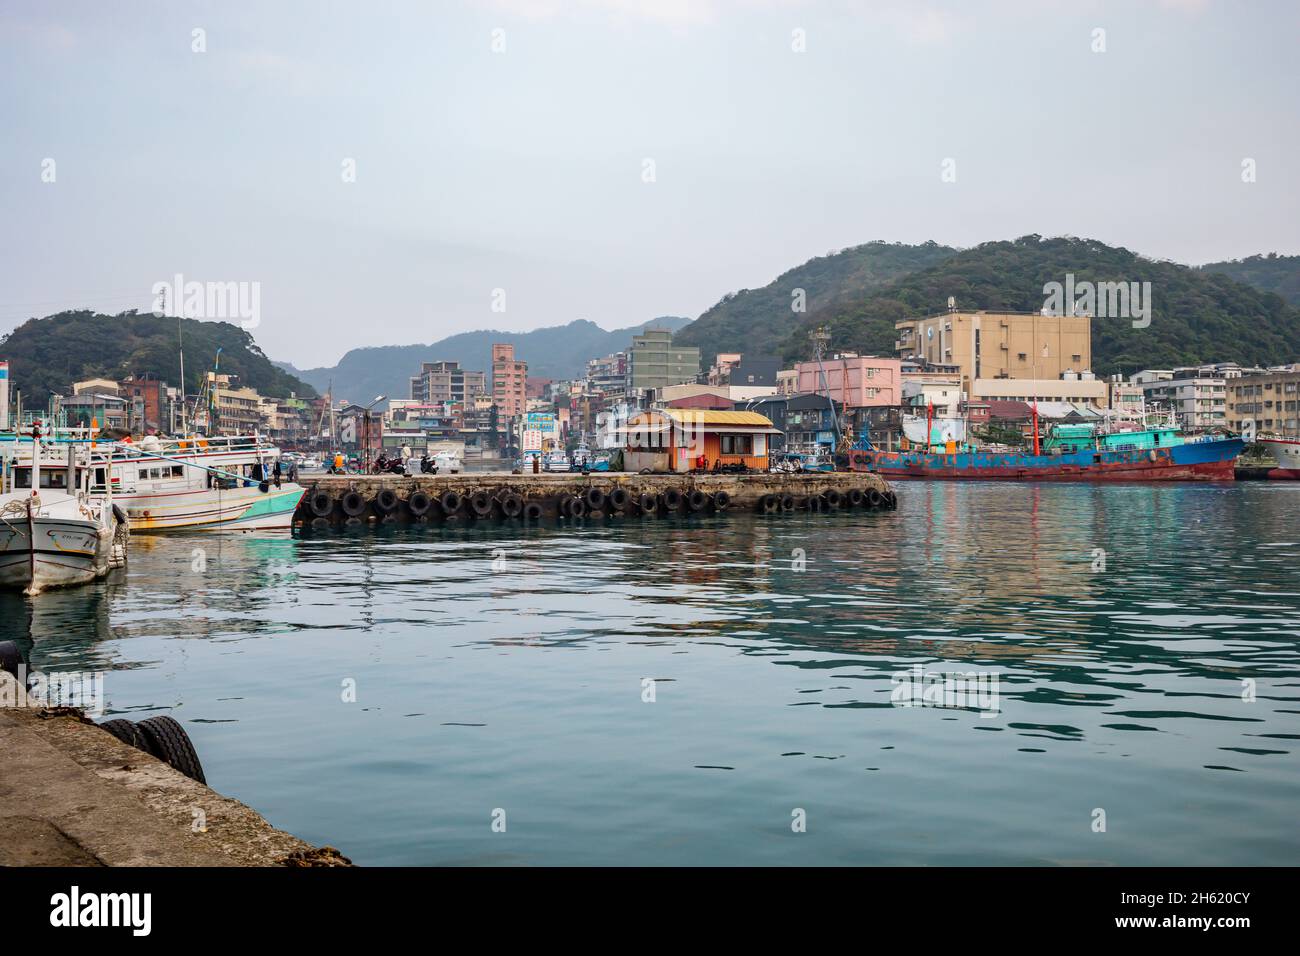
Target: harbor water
(737,689)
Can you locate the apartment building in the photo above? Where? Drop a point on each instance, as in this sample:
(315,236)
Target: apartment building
(509,382)
(654,362)
(1269,401)
(446,382)
(852,380)
(1196,395)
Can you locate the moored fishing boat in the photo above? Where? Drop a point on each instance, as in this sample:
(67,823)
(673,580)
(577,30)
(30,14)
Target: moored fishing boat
(1070,453)
(188,483)
(1286,452)
(54,533)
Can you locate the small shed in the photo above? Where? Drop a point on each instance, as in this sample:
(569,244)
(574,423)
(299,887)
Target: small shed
(683,439)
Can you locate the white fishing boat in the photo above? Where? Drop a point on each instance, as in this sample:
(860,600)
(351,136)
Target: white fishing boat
(1286,452)
(221,483)
(54,532)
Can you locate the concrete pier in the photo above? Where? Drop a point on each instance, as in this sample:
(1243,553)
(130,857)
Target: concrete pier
(343,499)
(72,794)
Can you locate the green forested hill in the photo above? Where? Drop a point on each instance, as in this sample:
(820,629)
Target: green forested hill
(1270,273)
(760,320)
(1197,315)
(50,354)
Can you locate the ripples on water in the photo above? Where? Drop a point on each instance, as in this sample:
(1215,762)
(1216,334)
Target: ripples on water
(500,668)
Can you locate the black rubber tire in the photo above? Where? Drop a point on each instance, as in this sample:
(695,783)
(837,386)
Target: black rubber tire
(126,731)
(595,499)
(169,742)
(264,486)
(532,511)
(320,504)
(353,504)
(648,504)
(833,498)
(787,502)
(671,499)
(450,502)
(419,504)
(768,504)
(891,500)
(697,500)
(856,497)
(721,501)
(619,499)
(875,499)
(386,501)
(11,656)
(512,505)
(480,502)
(577,508)
(814,503)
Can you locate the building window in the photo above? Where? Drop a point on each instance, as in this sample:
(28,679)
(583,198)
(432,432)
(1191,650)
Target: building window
(737,444)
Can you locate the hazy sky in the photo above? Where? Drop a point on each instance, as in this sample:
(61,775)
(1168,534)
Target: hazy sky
(524,169)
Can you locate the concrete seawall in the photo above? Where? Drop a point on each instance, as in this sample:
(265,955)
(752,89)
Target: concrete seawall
(72,794)
(342,499)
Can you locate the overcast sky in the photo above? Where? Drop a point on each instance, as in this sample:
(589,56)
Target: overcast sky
(525,169)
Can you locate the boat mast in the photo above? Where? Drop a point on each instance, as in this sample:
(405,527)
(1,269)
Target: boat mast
(180,339)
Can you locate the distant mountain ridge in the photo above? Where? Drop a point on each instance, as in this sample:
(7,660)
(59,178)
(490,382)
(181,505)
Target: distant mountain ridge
(1270,273)
(559,352)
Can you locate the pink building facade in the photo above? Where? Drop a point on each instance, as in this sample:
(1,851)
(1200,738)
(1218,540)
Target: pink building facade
(509,381)
(859,381)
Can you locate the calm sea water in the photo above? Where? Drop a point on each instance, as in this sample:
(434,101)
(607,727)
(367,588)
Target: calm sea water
(504,674)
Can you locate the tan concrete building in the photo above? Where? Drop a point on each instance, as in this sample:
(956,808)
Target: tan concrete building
(1270,400)
(991,345)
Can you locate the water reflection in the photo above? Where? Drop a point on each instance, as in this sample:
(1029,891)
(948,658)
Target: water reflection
(778,640)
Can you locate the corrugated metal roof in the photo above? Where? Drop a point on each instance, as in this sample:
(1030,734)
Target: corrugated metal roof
(705,416)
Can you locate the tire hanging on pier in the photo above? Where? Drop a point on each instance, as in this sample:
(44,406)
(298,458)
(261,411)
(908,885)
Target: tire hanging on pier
(594,498)
(855,497)
(875,499)
(419,504)
(577,508)
(126,731)
(619,499)
(672,499)
(512,505)
(532,511)
(450,502)
(721,501)
(481,504)
(833,499)
(787,502)
(386,501)
(168,741)
(768,504)
(648,503)
(891,500)
(697,500)
(353,504)
(320,504)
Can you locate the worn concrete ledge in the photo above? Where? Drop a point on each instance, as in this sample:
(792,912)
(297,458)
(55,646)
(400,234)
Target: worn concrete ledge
(72,794)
